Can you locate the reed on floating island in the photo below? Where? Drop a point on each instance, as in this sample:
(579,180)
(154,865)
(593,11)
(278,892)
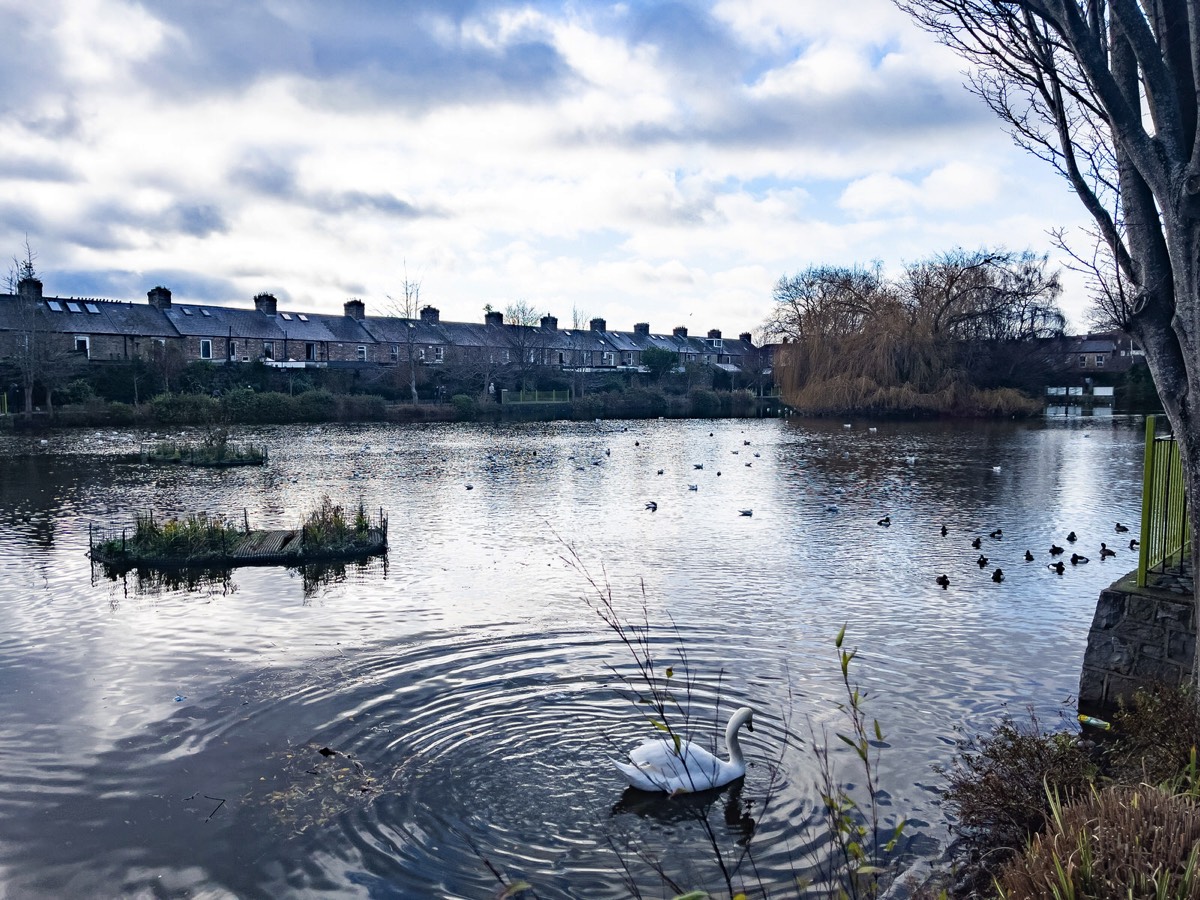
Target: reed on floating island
(328,533)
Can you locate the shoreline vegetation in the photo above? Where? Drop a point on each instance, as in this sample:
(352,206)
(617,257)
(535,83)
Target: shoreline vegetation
(211,453)
(329,533)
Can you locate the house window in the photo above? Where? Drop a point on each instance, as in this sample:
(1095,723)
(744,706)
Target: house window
(1083,360)
(82,345)
(606,358)
(439,354)
(562,358)
(268,349)
(629,357)
(421,354)
(232,350)
(362,352)
(205,349)
(1099,360)
(705,359)
(533,356)
(395,352)
(310,352)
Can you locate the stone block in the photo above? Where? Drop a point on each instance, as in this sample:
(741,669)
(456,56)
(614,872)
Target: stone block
(1181,647)
(1110,610)
(1177,615)
(1140,608)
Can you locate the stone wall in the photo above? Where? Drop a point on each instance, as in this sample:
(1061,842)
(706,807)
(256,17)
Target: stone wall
(1139,636)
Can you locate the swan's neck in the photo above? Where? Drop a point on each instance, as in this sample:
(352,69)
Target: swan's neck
(732,743)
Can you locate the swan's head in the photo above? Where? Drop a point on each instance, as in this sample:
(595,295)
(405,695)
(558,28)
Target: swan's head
(744,716)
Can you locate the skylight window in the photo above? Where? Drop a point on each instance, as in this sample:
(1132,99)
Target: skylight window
(287,316)
(73,307)
(206,313)
(186,311)
(302,317)
(92,308)
(54,305)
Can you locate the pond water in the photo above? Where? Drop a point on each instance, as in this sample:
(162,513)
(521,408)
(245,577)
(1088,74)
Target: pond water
(163,738)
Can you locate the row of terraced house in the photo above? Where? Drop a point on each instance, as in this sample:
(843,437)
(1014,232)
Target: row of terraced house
(123,330)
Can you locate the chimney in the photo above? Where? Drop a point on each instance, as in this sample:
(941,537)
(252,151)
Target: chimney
(29,289)
(598,325)
(159,297)
(642,328)
(430,314)
(493,318)
(550,323)
(355,309)
(265,303)
(746,338)
(714,334)
(680,331)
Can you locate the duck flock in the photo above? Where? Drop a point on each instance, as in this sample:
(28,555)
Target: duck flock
(1057,555)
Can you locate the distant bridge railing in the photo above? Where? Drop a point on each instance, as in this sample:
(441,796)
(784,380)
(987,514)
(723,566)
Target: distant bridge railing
(1166,535)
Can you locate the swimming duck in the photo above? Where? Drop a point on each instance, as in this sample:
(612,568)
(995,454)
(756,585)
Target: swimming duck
(1058,567)
(1071,537)
(1122,528)
(997,534)
(659,766)
(651,505)
(885,521)
(944,581)
(998,576)
(697,465)
(745,512)
(1134,543)
(1105,552)
(660,471)
(693,487)
(1055,550)
(1028,556)
(1076,559)
(977,543)
(945,531)
(983,560)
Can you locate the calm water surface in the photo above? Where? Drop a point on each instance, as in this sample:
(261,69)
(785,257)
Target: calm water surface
(163,739)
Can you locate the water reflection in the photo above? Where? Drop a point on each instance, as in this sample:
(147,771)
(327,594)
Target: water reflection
(470,683)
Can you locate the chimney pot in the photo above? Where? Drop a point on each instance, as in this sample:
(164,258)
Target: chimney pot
(599,325)
(746,337)
(680,331)
(642,328)
(714,334)
(265,303)
(550,323)
(355,309)
(430,314)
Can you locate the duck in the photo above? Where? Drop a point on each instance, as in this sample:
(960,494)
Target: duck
(660,471)
(1058,567)
(977,543)
(886,521)
(1071,537)
(745,512)
(997,534)
(693,487)
(1076,559)
(998,576)
(1055,550)
(697,465)
(944,581)
(657,766)
(983,560)
(1134,543)
(1105,552)
(1121,529)
(945,531)
(651,505)
(1028,556)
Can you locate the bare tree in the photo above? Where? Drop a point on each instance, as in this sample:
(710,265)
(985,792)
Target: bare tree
(408,307)
(30,349)
(1105,91)
(526,343)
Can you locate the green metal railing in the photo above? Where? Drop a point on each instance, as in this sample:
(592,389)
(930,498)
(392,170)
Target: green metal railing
(1166,535)
(535,396)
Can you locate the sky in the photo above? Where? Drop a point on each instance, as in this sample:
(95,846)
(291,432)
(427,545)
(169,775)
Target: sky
(638,161)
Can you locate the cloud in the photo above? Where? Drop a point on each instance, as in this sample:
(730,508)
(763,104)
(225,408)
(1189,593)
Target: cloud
(124,284)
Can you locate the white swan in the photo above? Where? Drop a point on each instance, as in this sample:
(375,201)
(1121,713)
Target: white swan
(656,766)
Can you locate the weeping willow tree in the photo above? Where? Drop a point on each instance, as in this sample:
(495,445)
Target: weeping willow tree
(962,333)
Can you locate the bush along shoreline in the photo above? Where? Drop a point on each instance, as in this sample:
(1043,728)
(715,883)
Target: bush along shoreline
(328,533)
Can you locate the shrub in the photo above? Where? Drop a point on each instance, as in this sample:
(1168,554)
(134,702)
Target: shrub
(705,404)
(362,407)
(1156,734)
(183,409)
(316,406)
(997,785)
(465,407)
(121,414)
(1112,844)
